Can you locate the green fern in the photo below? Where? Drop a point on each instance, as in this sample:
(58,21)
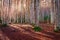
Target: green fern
(37,28)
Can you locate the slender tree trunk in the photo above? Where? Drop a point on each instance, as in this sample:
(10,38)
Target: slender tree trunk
(32,16)
(37,12)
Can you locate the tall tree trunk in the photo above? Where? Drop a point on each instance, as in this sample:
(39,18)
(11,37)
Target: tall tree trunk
(37,12)
(32,16)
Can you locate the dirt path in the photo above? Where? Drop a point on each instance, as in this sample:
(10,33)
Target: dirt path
(18,32)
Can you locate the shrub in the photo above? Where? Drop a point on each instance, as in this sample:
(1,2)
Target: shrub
(0,20)
(4,25)
(57,29)
(37,28)
(47,18)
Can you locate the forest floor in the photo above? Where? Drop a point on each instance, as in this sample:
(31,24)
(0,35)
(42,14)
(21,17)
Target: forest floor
(25,32)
